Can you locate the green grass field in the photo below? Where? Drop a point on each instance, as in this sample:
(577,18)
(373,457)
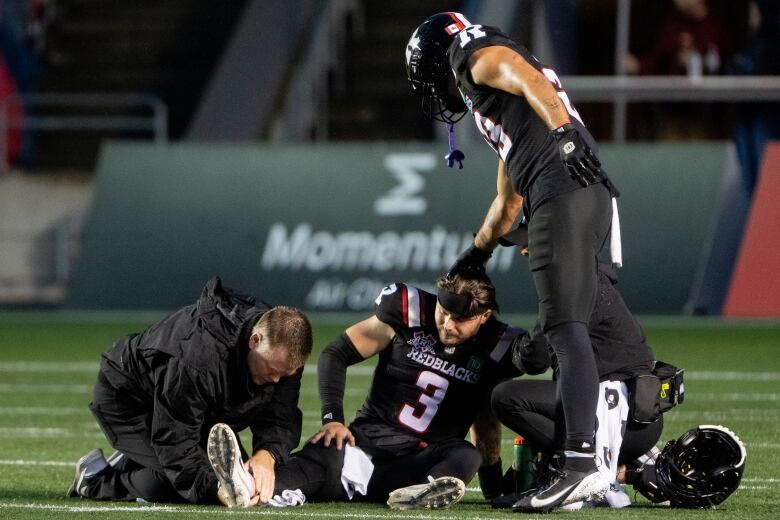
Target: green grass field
(48,364)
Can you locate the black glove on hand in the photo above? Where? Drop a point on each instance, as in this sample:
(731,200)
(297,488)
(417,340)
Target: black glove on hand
(472,260)
(582,163)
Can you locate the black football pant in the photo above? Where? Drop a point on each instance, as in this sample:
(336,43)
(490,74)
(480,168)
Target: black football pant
(566,234)
(528,408)
(316,470)
(140,475)
(458,458)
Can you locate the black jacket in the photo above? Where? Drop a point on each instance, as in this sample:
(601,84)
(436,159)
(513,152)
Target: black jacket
(189,371)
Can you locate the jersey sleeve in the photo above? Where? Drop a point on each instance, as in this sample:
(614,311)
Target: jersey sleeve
(502,352)
(474,38)
(402,306)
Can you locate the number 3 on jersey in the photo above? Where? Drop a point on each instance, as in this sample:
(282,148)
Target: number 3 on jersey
(433,389)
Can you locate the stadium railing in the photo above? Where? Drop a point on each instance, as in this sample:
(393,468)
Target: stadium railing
(620,90)
(79,112)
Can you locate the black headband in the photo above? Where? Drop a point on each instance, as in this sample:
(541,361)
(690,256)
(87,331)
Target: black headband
(458,304)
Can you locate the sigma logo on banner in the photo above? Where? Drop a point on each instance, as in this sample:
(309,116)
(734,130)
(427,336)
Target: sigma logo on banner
(405,198)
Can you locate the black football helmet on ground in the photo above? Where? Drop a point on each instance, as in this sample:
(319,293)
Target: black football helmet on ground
(700,469)
(428,69)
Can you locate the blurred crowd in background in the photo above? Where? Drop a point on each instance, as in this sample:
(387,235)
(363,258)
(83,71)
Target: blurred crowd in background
(667,37)
(23,25)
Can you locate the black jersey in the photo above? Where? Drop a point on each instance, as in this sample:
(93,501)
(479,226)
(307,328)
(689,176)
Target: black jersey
(422,391)
(510,125)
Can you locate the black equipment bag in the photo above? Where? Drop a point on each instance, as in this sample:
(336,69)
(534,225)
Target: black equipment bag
(655,393)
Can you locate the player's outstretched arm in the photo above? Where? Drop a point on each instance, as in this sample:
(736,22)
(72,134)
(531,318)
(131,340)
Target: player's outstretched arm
(360,341)
(503,211)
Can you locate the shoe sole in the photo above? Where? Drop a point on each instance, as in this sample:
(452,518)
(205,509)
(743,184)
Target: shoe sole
(591,488)
(442,492)
(224,454)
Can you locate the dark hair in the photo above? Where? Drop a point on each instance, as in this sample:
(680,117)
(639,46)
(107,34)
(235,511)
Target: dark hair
(288,327)
(478,287)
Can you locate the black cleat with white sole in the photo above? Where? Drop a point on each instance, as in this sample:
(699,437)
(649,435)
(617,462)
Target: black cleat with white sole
(565,487)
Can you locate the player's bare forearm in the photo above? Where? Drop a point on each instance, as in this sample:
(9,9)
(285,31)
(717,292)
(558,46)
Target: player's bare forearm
(496,224)
(486,436)
(503,211)
(544,99)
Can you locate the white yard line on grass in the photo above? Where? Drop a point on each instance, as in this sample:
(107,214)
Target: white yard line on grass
(53,463)
(44,410)
(38,388)
(49,366)
(49,433)
(716,375)
(270,511)
(735,396)
(716,417)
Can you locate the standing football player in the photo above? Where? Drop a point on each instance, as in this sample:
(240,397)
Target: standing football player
(548,168)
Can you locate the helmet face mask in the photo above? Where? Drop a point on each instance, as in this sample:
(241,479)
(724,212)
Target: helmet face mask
(427,66)
(702,468)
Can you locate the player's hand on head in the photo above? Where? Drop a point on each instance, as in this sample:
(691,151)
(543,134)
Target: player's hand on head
(470,261)
(333,431)
(261,467)
(581,163)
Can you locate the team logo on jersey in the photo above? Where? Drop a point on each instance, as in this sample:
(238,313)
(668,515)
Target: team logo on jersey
(447,368)
(422,343)
(611,397)
(474,364)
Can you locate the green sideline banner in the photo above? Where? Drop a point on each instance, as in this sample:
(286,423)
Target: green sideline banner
(325,227)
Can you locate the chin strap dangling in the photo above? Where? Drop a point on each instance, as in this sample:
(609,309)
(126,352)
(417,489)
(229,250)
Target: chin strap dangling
(455,155)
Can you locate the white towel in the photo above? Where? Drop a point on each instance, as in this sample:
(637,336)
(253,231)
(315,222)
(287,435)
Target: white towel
(356,471)
(289,497)
(612,413)
(615,245)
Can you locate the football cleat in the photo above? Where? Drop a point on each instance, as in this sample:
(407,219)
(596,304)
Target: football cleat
(565,487)
(87,468)
(437,493)
(236,485)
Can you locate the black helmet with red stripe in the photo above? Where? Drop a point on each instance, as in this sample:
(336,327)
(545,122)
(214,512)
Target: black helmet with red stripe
(428,69)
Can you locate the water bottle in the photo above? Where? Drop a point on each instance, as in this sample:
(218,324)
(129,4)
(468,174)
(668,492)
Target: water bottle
(525,475)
